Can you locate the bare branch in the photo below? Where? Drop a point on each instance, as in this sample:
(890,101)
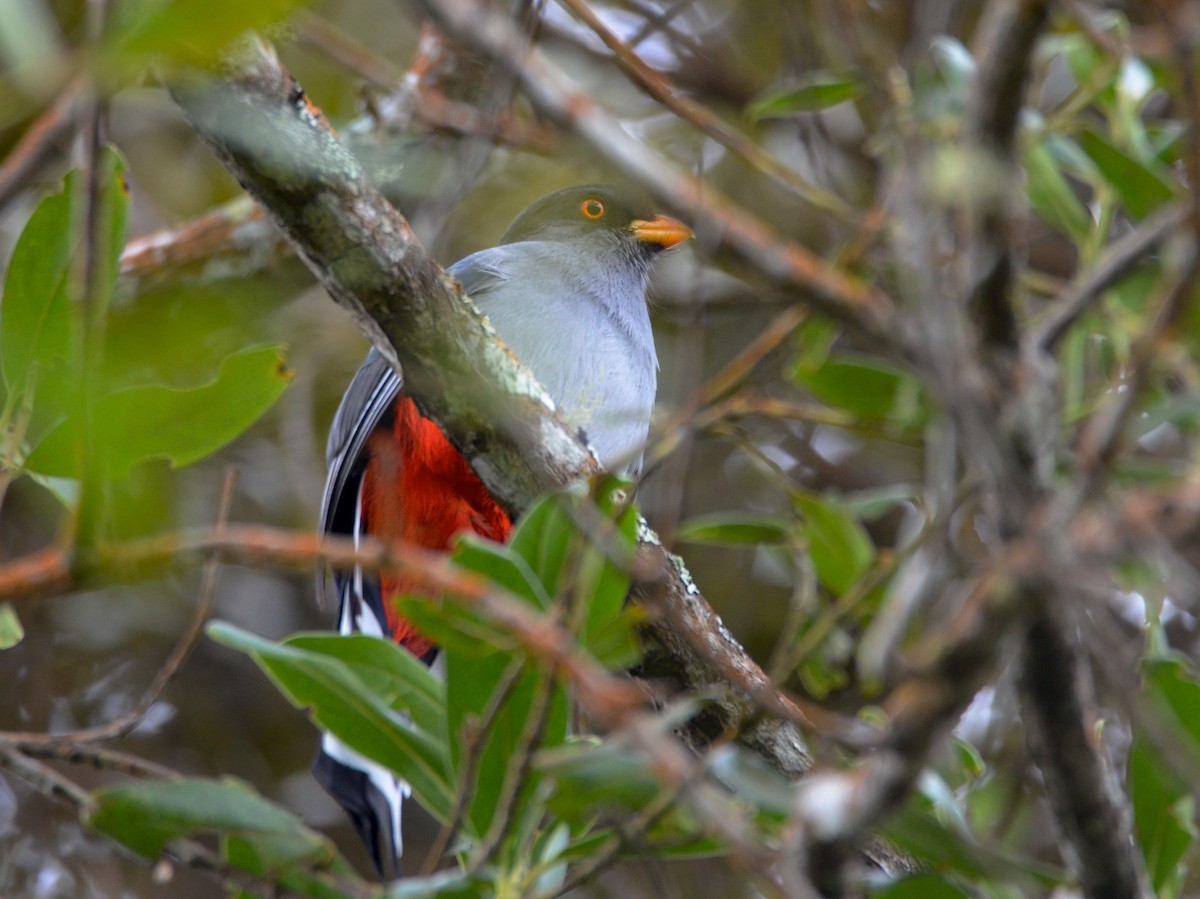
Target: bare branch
(655,84)
(364,253)
(40,139)
(1082,787)
(861,306)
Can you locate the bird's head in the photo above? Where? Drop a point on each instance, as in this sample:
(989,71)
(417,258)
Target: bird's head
(598,212)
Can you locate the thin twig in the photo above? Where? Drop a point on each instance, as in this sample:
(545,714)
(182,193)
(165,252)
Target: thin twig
(862,306)
(474,741)
(39,141)
(657,85)
(517,771)
(125,723)
(1119,257)
(45,779)
(75,753)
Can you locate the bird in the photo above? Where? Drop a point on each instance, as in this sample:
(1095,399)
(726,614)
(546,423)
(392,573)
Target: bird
(565,289)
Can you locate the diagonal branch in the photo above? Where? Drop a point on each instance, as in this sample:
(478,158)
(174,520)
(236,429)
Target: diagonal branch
(863,307)
(288,158)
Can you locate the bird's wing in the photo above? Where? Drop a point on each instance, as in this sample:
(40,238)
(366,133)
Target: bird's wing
(482,273)
(367,400)
(370,793)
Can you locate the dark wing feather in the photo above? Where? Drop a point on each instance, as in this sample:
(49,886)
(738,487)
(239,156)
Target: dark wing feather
(367,402)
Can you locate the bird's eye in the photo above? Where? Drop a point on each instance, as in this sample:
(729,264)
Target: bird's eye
(592,208)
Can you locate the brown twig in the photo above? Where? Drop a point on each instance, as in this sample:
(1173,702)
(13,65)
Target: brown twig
(74,753)
(1119,257)
(474,741)
(45,779)
(123,724)
(325,37)
(861,306)
(658,86)
(233,240)
(517,774)
(1081,785)
(40,140)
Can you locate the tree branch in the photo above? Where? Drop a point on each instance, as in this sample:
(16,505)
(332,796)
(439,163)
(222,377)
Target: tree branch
(361,249)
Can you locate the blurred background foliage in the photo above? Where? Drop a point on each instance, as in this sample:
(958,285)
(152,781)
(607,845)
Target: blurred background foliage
(794,522)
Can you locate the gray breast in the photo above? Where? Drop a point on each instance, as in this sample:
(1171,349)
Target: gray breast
(580,323)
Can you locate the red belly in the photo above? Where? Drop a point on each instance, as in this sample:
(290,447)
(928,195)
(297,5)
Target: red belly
(418,489)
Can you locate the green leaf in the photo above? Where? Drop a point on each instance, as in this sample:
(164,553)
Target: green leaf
(840,547)
(156,421)
(443,885)
(549,556)
(502,565)
(953,60)
(1051,194)
(35,317)
(114,209)
(1163,806)
(920,886)
(871,390)
(1163,814)
(147,816)
(543,538)
(473,686)
(11,631)
(816,91)
(390,672)
(346,707)
(1143,186)
(594,776)
(937,844)
(735,529)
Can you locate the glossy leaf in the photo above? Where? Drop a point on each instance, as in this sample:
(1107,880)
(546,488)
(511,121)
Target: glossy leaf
(342,704)
(160,422)
(1163,806)
(389,671)
(475,686)
(752,779)
(816,91)
(11,631)
(840,547)
(732,529)
(1143,186)
(502,565)
(35,317)
(1164,817)
(147,816)
(592,777)
(920,886)
(1052,196)
(948,847)
(867,388)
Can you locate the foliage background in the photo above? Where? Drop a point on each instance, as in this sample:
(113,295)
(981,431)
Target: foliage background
(864,95)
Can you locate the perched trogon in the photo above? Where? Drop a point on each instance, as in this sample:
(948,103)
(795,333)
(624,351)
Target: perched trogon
(565,289)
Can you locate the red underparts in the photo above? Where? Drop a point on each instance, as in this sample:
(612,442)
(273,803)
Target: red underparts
(418,489)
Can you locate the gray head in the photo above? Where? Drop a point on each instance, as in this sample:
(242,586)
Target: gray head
(599,211)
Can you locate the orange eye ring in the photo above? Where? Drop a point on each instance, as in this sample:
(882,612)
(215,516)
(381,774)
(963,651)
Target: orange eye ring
(592,208)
